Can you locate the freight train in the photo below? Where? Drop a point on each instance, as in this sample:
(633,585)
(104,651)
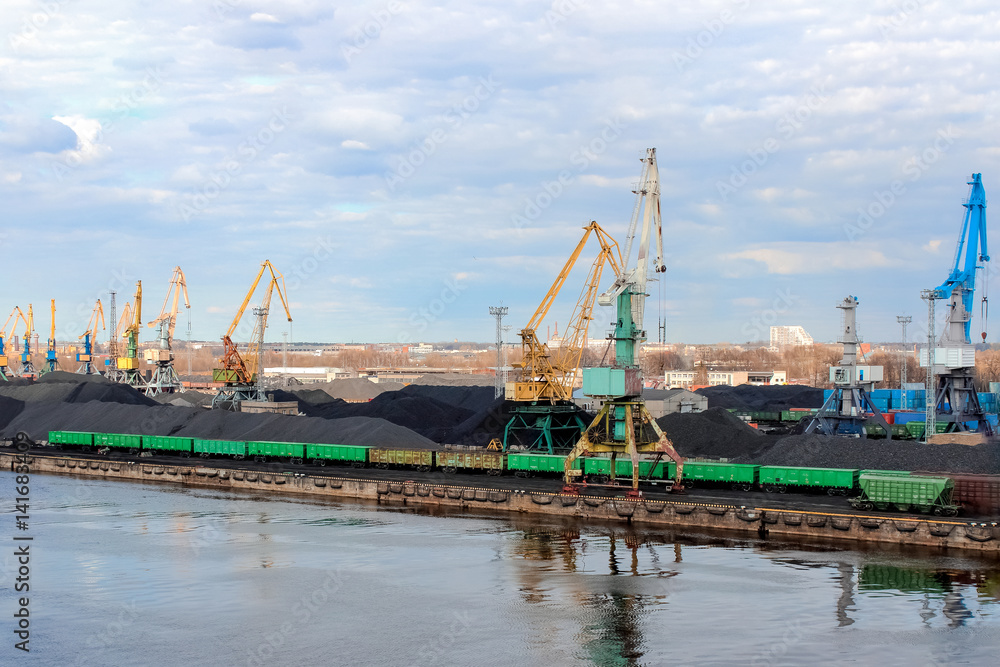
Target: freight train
(870,489)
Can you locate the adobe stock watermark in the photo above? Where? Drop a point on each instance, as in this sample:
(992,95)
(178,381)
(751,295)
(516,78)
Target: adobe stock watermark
(421,318)
(561,10)
(760,324)
(226,172)
(364,34)
(713,30)
(455,117)
(35,22)
(581,158)
(303,270)
(433,651)
(785,128)
(914,168)
(901,14)
(124,105)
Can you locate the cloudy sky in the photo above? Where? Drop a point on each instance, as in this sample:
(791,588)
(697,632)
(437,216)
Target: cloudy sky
(400,162)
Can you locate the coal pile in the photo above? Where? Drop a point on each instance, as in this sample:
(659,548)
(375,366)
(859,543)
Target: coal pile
(73,388)
(769,397)
(839,452)
(455,380)
(354,389)
(714,433)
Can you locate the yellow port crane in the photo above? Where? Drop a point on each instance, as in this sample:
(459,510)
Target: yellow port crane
(27,367)
(544,416)
(18,316)
(128,365)
(241,375)
(89,338)
(165,379)
(51,357)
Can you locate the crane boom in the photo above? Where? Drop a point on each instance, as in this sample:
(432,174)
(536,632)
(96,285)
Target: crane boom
(551,376)
(178,286)
(89,338)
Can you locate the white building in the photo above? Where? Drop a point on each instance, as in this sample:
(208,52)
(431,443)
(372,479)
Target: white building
(789,336)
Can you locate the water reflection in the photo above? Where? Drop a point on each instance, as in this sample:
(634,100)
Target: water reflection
(611,632)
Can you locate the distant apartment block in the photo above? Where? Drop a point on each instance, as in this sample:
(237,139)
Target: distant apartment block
(789,336)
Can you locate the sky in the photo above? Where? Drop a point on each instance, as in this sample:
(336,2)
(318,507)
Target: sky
(406,165)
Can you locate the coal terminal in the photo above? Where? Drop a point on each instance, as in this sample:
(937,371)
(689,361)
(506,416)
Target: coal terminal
(430,414)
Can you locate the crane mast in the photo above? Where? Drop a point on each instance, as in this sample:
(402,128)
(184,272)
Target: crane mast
(624,424)
(241,375)
(544,416)
(165,378)
(951,390)
(89,338)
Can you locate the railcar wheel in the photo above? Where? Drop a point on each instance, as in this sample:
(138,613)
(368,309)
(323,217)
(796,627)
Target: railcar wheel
(770,488)
(494,472)
(319,462)
(426,468)
(951,511)
(938,511)
(782,488)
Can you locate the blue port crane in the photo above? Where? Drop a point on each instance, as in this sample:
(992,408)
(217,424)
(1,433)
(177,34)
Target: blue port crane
(951,389)
(27,366)
(51,355)
(89,338)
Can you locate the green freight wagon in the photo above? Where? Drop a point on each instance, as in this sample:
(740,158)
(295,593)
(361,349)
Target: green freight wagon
(78,438)
(491,462)
(524,465)
(321,454)
(915,492)
(601,466)
(422,459)
(740,475)
(263,450)
(167,443)
(128,441)
(916,429)
(833,480)
(235,448)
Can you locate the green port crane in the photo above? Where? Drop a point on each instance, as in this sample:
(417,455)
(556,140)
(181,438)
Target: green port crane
(128,365)
(624,424)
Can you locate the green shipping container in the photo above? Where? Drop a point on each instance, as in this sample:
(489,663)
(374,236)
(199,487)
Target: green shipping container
(337,453)
(167,443)
(540,462)
(401,457)
(71,438)
(826,478)
(236,448)
(118,440)
(721,472)
(294,450)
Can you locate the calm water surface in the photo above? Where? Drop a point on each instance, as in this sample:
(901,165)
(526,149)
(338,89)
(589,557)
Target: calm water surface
(131,574)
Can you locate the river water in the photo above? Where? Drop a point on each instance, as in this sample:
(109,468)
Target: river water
(145,574)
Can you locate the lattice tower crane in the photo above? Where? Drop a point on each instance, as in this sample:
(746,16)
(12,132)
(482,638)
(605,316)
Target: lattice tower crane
(624,424)
(544,416)
(89,338)
(242,374)
(165,378)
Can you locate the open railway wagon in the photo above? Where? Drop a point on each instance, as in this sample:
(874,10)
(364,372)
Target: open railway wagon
(906,493)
